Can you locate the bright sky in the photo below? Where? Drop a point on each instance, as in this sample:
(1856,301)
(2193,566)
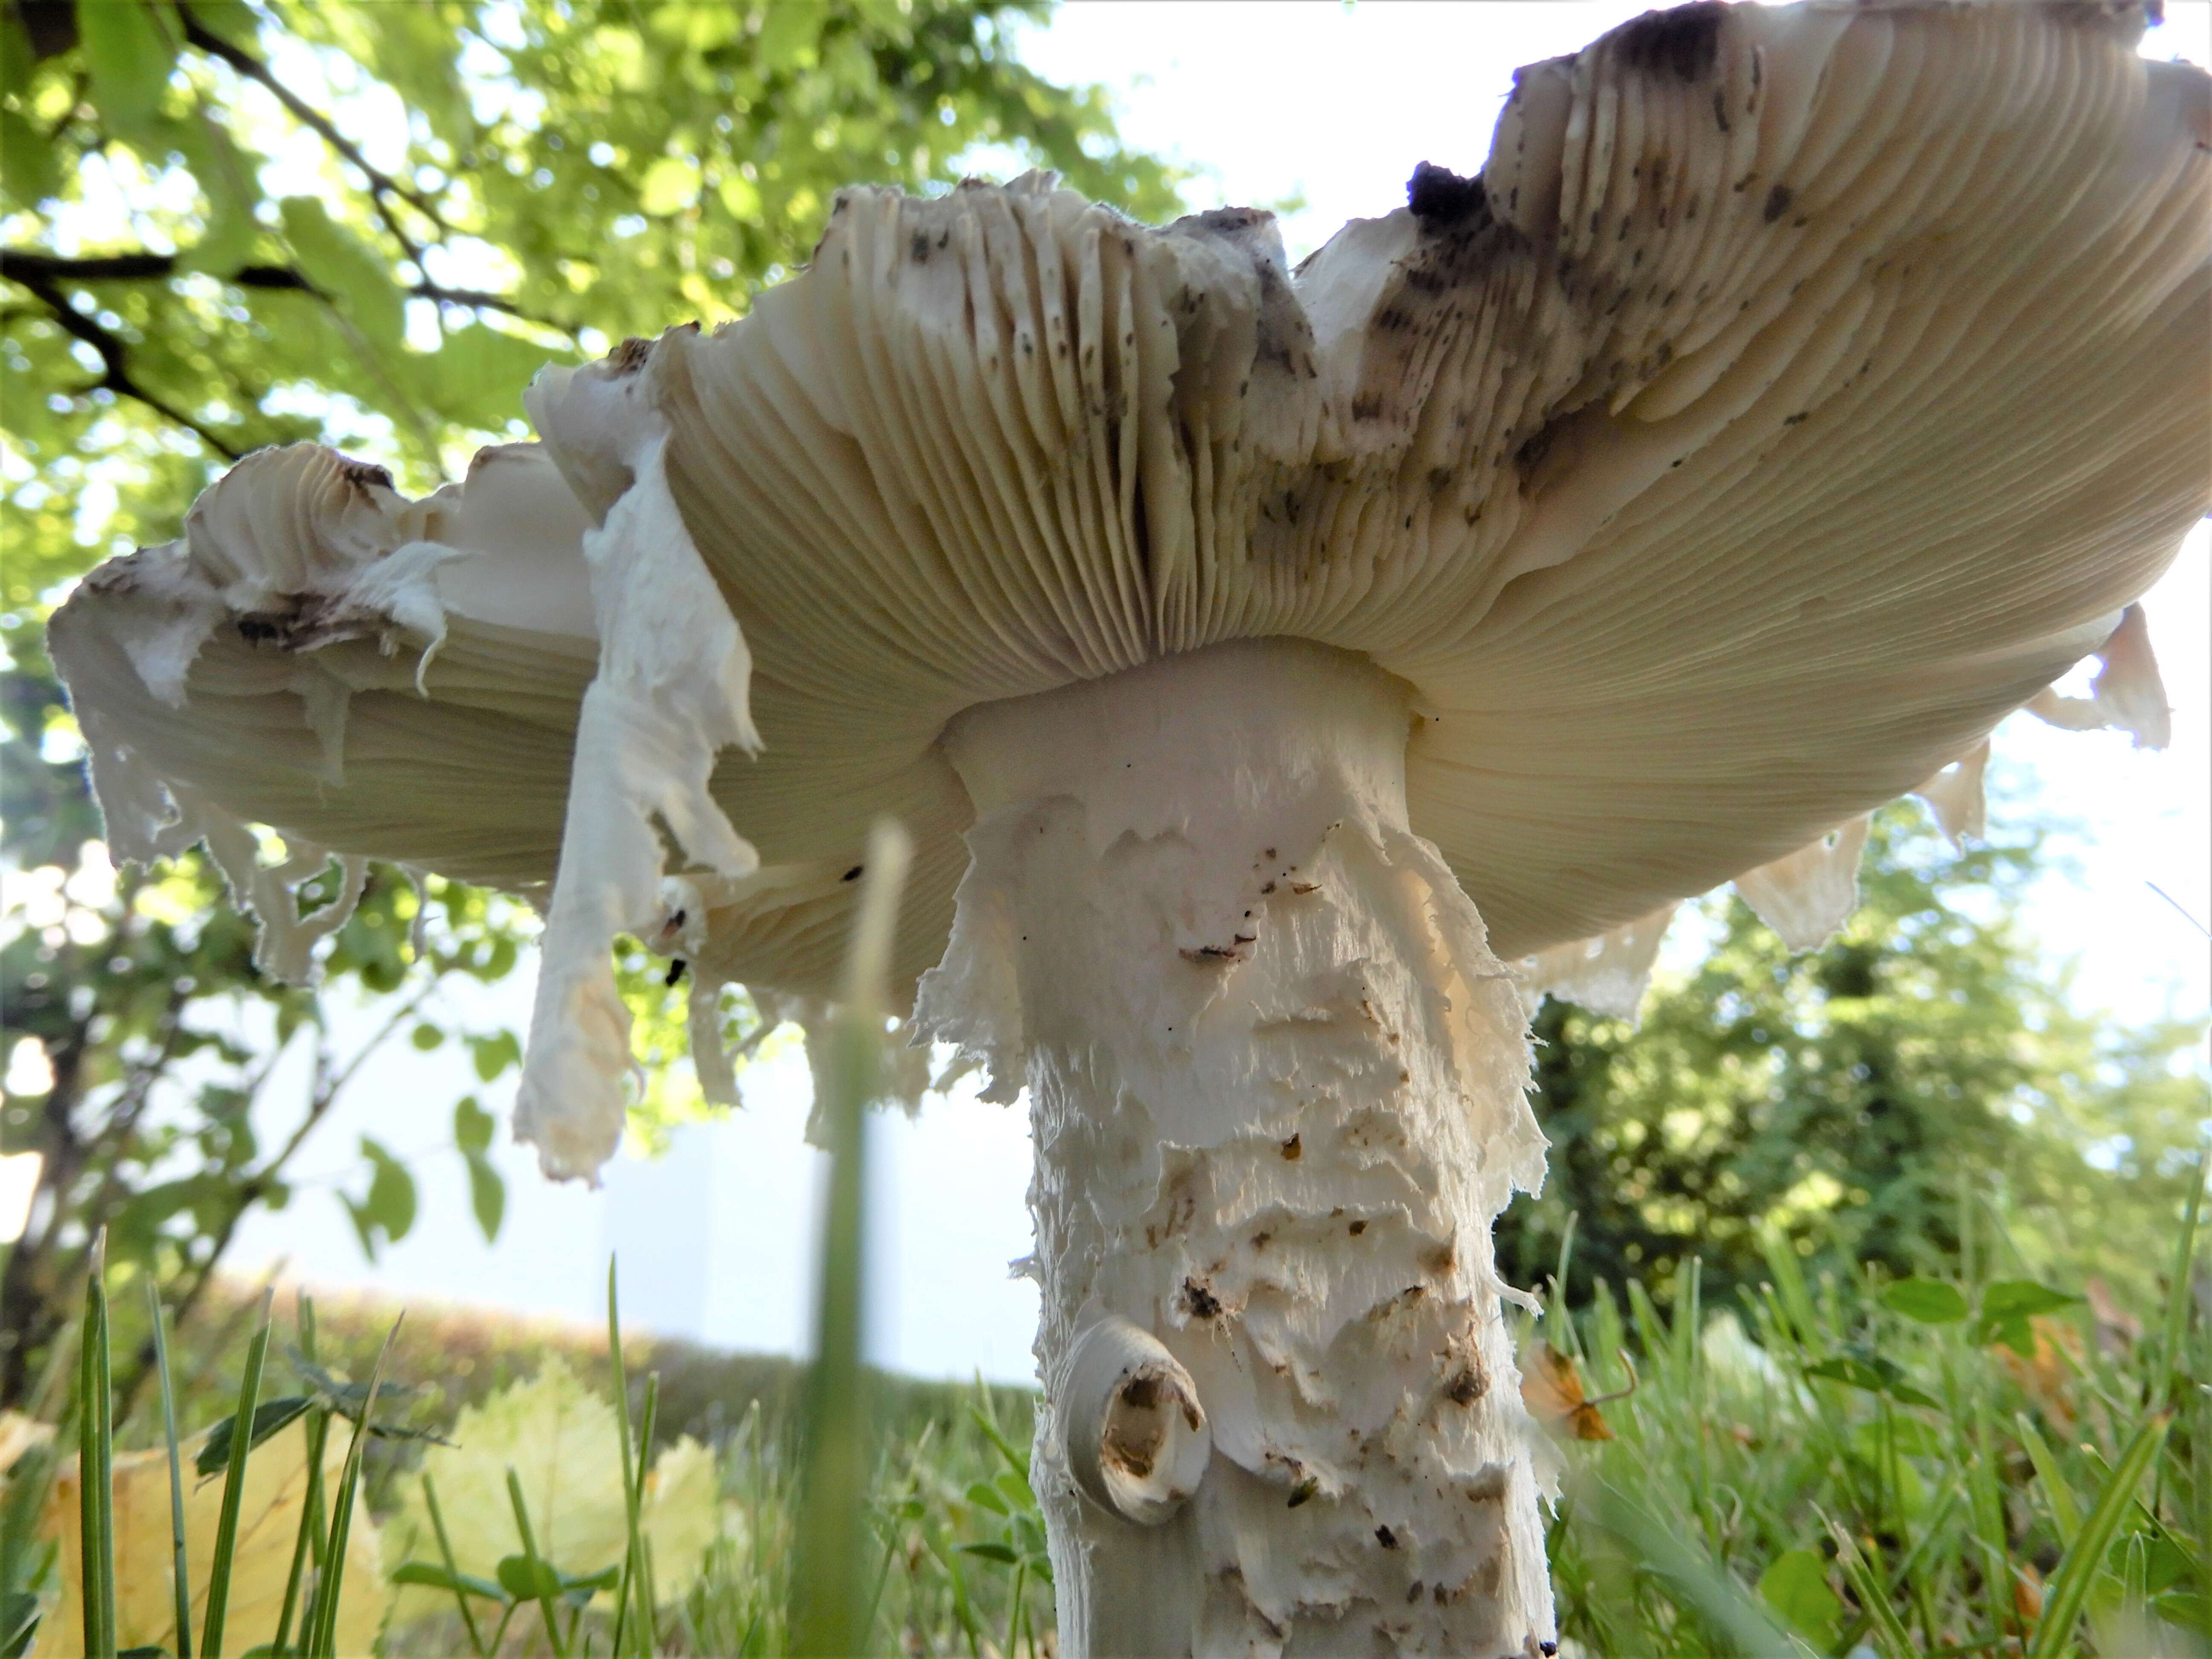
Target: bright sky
(1334,104)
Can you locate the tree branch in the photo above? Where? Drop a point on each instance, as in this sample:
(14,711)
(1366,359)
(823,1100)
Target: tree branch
(27,267)
(380,184)
(117,376)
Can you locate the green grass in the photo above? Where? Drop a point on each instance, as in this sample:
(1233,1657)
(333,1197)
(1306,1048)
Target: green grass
(1975,1465)
(1981,1464)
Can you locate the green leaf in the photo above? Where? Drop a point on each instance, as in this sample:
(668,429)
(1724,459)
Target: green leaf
(1875,1375)
(527,1578)
(990,1550)
(26,159)
(1852,1373)
(434,1576)
(2022,1298)
(346,271)
(1796,1585)
(363,1229)
(233,188)
(493,1054)
(472,1125)
(487,1194)
(269,1417)
(987,1497)
(670,183)
(1929,1300)
(391,1202)
(589,1584)
(128,56)
(426,1036)
(19,1622)
(476,377)
(788,36)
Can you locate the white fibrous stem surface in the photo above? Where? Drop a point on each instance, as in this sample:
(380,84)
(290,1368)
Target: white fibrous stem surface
(1277,1092)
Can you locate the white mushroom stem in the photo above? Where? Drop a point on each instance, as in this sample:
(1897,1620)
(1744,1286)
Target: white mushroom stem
(1277,1090)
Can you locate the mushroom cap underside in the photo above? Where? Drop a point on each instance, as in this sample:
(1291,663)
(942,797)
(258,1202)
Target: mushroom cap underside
(1796,392)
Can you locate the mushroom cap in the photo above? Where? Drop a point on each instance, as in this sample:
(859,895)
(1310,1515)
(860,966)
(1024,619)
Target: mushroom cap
(1796,392)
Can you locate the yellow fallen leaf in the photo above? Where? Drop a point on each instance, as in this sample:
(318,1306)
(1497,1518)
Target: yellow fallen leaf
(18,1434)
(268,1524)
(561,1439)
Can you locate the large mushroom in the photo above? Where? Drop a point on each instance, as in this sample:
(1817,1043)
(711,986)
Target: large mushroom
(1316,665)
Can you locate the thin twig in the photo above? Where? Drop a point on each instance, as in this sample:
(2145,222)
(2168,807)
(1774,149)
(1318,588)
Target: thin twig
(116,377)
(28,266)
(198,35)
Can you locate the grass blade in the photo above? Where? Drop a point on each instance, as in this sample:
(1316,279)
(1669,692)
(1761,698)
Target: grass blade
(308,1540)
(544,1580)
(453,1564)
(1874,1597)
(1667,1550)
(2178,1289)
(648,1591)
(180,1571)
(233,1488)
(2069,1585)
(2065,1514)
(323,1642)
(95,1429)
(633,1473)
(830,1584)
(304,1540)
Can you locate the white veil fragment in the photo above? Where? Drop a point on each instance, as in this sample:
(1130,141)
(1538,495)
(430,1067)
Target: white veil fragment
(1808,894)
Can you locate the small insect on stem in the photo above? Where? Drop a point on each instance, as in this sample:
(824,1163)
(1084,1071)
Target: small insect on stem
(675,972)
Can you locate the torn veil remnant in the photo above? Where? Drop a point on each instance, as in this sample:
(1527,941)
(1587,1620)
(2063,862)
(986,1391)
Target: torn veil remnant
(1282,673)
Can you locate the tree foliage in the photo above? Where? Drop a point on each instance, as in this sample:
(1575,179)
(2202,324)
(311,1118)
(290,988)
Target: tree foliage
(230,225)
(1866,1099)
(226,225)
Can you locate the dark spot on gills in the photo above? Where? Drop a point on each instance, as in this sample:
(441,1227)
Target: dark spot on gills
(362,474)
(1199,1302)
(1778,203)
(1305,1490)
(1440,199)
(1684,42)
(852,874)
(1357,1228)
(920,248)
(1386,1538)
(1293,1150)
